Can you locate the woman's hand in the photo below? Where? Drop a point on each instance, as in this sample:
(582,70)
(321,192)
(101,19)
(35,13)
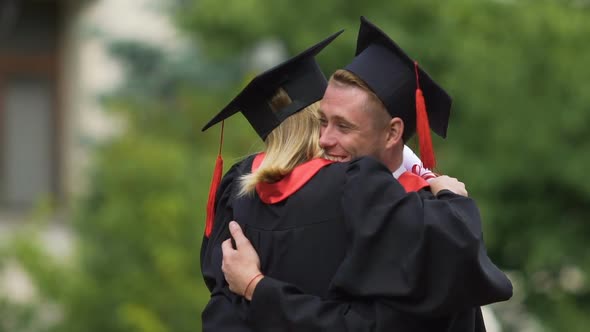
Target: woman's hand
(240,266)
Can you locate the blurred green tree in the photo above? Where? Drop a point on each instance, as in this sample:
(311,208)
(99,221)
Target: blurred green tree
(518,135)
(518,139)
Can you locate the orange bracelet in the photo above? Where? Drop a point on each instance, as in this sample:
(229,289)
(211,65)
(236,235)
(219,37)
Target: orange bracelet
(250,283)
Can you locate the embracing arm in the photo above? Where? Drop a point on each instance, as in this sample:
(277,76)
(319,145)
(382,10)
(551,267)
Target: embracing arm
(435,262)
(279,306)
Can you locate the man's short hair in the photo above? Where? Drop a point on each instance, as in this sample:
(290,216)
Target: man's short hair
(344,77)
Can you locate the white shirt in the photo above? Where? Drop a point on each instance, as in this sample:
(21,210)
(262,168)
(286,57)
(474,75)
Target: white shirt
(401,170)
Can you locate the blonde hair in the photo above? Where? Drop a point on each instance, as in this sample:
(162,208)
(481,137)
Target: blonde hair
(293,142)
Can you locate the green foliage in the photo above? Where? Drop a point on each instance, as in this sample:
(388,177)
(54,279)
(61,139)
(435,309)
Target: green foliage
(139,239)
(518,135)
(517,138)
(18,317)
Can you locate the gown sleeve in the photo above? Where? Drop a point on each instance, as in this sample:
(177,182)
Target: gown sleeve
(280,306)
(422,254)
(220,313)
(223,214)
(416,263)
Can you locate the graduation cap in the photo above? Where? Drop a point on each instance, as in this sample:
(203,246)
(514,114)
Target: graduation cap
(300,77)
(303,81)
(405,89)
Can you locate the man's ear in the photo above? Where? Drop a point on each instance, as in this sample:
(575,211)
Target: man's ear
(395,132)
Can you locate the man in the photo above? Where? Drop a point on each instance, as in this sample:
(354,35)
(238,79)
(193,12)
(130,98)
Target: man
(370,110)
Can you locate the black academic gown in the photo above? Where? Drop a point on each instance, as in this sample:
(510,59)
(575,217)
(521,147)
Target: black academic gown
(351,250)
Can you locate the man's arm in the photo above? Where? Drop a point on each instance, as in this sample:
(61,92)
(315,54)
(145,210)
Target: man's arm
(424,254)
(280,306)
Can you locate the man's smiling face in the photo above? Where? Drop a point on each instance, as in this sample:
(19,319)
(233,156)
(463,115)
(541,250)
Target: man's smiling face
(348,128)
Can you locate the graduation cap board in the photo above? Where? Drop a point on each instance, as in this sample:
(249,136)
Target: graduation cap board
(405,89)
(301,78)
(303,81)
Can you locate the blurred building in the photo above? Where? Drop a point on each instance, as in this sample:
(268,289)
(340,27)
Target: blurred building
(54,64)
(33,94)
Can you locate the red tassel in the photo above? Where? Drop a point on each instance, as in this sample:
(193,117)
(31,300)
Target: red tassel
(212,191)
(423,128)
(218,170)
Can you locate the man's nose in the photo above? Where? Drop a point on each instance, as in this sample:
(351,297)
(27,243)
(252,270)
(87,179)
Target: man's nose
(326,138)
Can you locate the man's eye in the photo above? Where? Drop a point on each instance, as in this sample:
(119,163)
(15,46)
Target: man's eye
(343,126)
(323,122)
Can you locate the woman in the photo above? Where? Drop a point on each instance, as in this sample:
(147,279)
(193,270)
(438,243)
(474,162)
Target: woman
(343,246)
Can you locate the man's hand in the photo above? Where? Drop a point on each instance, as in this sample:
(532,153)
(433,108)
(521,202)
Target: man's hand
(240,266)
(446,182)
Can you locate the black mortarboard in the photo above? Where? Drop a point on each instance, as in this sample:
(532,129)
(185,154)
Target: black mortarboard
(300,76)
(392,75)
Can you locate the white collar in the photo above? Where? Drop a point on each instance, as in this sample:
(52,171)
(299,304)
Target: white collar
(401,170)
